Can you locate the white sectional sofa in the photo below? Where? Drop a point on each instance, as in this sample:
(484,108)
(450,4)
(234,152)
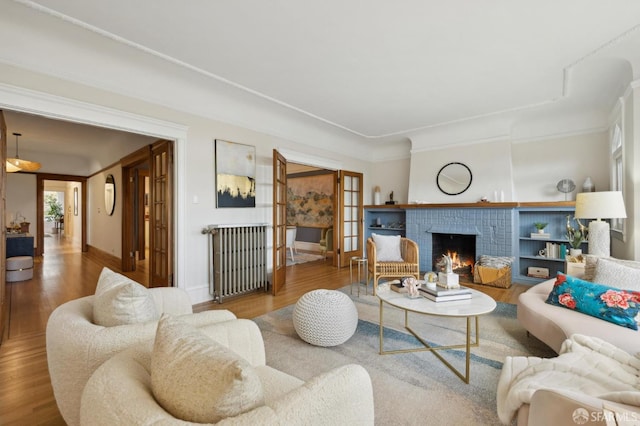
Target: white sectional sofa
(554,324)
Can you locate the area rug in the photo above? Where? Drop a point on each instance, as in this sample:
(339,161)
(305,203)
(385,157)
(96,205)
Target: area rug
(303,258)
(411,388)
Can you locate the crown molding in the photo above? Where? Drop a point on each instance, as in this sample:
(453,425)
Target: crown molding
(59,108)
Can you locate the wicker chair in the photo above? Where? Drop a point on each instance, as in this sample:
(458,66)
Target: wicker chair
(410,266)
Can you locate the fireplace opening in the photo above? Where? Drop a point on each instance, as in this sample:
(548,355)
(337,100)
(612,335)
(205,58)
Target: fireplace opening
(460,248)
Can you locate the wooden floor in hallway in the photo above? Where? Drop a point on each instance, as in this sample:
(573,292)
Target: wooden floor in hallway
(64,273)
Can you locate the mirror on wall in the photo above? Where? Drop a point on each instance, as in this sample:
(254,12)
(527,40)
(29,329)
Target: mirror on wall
(110,195)
(454,178)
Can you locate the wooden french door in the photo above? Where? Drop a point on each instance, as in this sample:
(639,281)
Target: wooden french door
(161,215)
(351,213)
(279,222)
(132,221)
(154,162)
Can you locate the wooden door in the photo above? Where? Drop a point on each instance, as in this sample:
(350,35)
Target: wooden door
(132,200)
(128,219)
(3,254)
(351,217)
(279,221)
(141,206)
(161,215)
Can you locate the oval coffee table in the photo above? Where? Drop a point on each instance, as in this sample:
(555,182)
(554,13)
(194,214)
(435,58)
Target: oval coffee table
(479,304)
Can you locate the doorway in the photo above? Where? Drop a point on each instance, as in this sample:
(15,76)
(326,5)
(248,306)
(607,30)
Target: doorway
(61,210)
(347,221)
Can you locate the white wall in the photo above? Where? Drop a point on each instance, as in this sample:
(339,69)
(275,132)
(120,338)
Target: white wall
(390,176)
(490,165)
(73,223)
(104,231)
(539,165)
(21,199)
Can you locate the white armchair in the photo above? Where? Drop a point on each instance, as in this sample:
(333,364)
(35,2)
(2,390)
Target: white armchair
(76,346)
(119,392)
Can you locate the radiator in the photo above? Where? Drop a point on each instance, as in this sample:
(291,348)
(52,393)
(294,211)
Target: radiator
(237,259)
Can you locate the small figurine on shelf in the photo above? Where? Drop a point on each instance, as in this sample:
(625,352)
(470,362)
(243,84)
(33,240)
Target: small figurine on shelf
(390,199)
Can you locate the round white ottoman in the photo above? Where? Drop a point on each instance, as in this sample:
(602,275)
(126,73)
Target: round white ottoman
(19,268)
(325,317)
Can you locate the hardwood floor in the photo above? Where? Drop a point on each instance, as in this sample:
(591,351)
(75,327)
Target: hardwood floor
(64,273)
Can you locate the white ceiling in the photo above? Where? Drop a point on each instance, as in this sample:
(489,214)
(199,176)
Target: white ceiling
(45,135)
(379,68)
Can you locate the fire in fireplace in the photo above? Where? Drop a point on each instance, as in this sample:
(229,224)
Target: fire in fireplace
(460,248)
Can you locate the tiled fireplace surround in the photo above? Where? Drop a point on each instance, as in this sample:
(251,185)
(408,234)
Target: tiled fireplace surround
(494,229)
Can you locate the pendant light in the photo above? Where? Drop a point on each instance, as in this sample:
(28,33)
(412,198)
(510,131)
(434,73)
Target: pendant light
(18,163)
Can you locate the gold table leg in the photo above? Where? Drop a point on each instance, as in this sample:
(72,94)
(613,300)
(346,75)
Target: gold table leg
(427,347)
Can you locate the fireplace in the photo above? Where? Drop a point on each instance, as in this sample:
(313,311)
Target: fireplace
(460,248)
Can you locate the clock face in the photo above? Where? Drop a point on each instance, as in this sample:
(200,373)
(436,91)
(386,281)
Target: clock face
(566,185)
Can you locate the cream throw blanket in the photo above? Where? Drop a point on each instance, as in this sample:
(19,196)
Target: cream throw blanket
(585,364)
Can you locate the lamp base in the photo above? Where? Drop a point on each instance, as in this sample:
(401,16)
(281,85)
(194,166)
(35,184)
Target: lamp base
(599,238)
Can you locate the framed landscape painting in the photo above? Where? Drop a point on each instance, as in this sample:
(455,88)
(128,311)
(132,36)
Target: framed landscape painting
(235,174)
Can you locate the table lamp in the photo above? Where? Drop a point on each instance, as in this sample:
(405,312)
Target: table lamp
(600,205)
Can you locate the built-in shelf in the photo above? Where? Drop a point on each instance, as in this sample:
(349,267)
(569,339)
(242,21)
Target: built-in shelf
(386,215)
(528,248)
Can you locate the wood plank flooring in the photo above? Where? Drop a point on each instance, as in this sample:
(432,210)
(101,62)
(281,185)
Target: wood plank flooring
(64,273)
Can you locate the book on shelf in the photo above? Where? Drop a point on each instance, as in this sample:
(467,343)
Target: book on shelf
(555,251)
(440,291)
(539,236)
(448,298)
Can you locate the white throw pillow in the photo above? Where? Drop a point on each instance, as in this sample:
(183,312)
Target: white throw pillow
(119,300)
(617,273)
(387,248)
(197,379)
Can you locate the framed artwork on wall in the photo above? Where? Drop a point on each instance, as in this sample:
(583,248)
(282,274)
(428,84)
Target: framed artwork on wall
(75,201)
(235,174)
(310,200)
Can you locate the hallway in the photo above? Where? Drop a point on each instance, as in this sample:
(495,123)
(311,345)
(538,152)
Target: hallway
(62,274)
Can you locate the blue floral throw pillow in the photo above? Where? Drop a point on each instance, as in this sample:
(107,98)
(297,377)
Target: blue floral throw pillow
(611,304)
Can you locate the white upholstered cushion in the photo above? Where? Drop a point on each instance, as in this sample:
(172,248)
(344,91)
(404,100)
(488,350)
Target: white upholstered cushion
(617,273)
(120,300)
(197,379)
(387,248)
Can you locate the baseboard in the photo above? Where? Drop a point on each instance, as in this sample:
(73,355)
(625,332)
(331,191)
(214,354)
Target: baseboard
(104,258)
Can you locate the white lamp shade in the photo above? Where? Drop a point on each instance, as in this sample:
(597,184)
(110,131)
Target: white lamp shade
(600,205)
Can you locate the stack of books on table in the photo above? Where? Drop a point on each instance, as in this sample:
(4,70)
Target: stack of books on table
(440,294)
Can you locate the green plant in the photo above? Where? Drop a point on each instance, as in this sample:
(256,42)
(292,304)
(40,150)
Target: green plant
(576,236)
(54,208)
(540,225)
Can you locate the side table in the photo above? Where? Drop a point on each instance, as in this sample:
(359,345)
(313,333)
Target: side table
(361,263)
